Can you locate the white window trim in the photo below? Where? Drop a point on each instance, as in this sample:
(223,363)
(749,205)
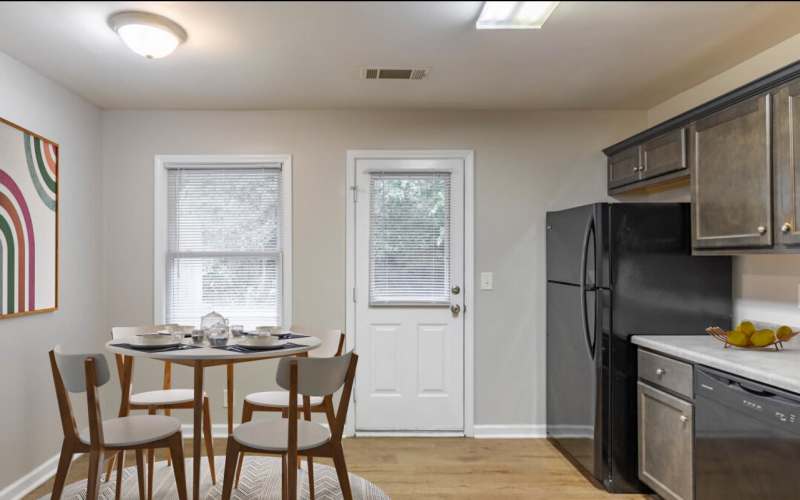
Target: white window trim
(468,157)
(166,162)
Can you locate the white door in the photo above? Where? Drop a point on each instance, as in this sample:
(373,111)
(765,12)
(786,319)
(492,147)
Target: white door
(409,265)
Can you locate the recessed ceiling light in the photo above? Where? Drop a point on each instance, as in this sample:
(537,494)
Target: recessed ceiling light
(149,35)
(514,15)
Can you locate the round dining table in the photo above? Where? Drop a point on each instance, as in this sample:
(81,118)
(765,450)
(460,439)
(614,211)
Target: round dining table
(199,358)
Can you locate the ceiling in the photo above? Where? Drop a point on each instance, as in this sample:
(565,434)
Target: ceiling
(303,55)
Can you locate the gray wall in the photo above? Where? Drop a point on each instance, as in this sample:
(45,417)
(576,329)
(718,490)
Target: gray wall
(525,162)
(29,421)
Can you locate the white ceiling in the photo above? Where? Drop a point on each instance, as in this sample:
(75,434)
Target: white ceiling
(285,55)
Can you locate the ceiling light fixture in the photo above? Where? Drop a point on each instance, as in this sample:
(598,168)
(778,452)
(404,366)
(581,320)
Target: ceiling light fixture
(149,35)
(514,15)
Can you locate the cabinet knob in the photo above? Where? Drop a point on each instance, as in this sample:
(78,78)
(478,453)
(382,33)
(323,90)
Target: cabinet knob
(635,169)
(684,418)
(786,227)
(761,229)
(660,372)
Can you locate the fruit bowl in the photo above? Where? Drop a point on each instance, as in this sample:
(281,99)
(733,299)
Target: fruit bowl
(748,335)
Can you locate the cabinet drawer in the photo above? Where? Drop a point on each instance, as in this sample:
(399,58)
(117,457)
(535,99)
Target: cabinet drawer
(664,154)
(666,372)
(666,444)
(624,167)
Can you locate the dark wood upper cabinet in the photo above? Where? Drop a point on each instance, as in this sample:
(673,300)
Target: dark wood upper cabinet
(786,158)
(664,154)
(731,177)
(624,167)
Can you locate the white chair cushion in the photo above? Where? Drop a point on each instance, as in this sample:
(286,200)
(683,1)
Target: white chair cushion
(163,397)
(135,430)
(278,399)
(273,435)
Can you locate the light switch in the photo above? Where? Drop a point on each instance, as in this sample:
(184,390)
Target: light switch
(487,281)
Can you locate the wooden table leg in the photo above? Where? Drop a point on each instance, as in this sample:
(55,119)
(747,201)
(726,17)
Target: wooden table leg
(198,428)
(230,399)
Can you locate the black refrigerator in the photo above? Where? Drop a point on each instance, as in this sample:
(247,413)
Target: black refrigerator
(615,270)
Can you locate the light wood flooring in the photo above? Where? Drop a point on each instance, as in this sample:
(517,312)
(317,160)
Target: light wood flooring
(417,468)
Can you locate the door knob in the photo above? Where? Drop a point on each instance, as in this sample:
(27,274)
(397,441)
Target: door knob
(786,227)
(761,229)
(455,309)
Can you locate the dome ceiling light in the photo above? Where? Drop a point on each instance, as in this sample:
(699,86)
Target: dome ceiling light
(147,34)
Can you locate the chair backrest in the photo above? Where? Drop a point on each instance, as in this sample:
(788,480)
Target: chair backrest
(79,373)
(316,376)
(123,332)
(333,343)
(72,368)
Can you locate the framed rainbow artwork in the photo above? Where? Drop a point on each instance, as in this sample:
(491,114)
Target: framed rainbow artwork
(28,222)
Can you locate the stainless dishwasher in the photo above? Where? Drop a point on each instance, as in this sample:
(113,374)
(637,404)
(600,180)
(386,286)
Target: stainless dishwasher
(747,439)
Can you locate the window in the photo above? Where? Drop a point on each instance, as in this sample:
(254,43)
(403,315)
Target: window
(409,248)
(226,246)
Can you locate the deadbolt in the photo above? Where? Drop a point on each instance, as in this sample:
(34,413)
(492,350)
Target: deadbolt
(456,290)
(455,309)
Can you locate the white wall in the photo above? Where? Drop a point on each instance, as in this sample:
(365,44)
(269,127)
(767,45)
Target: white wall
(765,286)
(526,163)
(30,430)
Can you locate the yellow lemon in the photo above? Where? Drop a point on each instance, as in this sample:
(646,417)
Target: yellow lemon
(763,338)
(738,339)
(784,333)
(746,327)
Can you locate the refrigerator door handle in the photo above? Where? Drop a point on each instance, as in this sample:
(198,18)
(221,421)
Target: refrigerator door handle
(584,287)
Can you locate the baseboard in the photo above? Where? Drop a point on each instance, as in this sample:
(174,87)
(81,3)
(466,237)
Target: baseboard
(359,434)
(217,430)
(511,431)
(32,479)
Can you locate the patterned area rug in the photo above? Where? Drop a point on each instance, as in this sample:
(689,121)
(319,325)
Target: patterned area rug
(261,480)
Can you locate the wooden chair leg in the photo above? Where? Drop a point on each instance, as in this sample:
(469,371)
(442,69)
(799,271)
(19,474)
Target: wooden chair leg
(231,458)
(291,475)
(95,471)
(140,471)
(151,466)
(176,452)
(110,465)
(341,472)
(209,441)
(247,415)
(120,466)
(284,479)
(310,478)
(63,468)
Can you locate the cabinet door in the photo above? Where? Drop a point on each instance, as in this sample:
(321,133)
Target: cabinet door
(664,154)
(787,164)
(732,177)
(666,443)
(624,167)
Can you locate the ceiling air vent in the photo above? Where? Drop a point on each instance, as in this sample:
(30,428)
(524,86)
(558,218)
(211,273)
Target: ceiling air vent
(394,74)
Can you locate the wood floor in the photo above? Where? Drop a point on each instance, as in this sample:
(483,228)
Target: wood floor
(415,468)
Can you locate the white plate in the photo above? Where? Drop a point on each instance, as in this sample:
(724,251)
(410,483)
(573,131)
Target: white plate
(275,345)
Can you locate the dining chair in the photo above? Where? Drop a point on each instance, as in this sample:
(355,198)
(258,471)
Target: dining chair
(84,373)
(278,401)
(166,399)
(290,437)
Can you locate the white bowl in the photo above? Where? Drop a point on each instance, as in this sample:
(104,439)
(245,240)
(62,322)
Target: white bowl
(271,330)
(156,339)
(260,340)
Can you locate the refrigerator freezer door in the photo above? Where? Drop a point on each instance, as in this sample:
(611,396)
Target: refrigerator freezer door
(572,378)
(566,231)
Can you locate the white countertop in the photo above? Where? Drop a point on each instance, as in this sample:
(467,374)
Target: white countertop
(779,369)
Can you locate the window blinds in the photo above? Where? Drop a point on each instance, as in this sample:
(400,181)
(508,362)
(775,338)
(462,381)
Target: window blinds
(409,239)
(224,245)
